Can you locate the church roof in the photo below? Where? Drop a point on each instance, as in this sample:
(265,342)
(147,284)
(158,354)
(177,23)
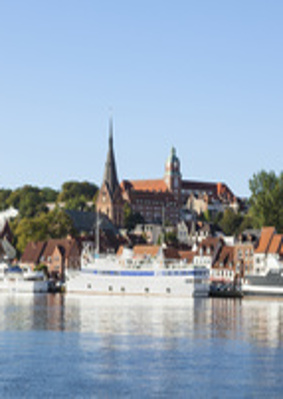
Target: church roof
(110,172)
(158,185)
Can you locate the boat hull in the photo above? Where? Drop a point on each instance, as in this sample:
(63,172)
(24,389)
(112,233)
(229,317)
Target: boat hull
(269,285)
(177,286)
(26,286)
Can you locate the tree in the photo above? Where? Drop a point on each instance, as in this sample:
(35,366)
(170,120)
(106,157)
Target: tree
(170,238)
(4,195)
(266,201)
(73,189)
(55,224)
(28,200)
(49,194)
(77,204)
(230,222)
(131,219)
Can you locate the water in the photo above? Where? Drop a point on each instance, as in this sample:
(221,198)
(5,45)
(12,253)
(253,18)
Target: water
(138,347)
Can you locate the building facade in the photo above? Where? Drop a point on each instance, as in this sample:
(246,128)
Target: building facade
(158,200)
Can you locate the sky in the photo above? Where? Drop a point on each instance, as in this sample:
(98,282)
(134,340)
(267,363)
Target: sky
(203,76)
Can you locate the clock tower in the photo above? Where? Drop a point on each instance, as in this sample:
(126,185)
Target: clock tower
(173,177)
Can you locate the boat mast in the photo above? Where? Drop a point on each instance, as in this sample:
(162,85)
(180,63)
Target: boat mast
(97,233)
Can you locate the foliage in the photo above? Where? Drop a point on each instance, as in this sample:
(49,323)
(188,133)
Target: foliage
(77,203)
(247,223)
(230,222)
(266,200)
(55,224)
(73,189)
(4,195)
(131,219)
(170,238)
(28,200)
(49,194)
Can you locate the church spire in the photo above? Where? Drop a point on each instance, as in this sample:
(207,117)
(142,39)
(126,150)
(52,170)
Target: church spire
(110,173)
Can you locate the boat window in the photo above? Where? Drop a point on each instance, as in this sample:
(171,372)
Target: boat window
(89,286)
(146,290)
(168,290)
(110,288)
(122,289)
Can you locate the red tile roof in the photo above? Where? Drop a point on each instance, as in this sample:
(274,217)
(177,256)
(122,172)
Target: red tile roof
(33,252)
(151,250)
(209,242)
(145,185)
(275,244)
(65,245)
(225,257)
(187,255)
(265,239)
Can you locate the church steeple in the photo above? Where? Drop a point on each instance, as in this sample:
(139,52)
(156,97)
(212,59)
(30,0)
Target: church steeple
(110,173)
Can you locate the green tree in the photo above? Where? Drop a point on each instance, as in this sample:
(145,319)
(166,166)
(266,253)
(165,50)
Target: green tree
(230,222)
(171,238)
(247,223)
(131,219)
(55,224)
(4,195)
(28,200)
(73,189)
(266,201)
(77,203)
(49,194)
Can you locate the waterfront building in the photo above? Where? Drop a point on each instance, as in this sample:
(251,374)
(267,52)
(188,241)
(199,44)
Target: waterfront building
(268,252)
(56,254)
(168,199)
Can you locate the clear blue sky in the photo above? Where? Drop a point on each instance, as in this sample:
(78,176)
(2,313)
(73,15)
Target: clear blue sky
(204,76)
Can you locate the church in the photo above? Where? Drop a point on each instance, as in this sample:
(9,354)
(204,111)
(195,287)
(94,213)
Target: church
(166,199)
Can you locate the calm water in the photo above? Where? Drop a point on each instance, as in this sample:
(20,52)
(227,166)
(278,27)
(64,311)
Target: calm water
(107,347)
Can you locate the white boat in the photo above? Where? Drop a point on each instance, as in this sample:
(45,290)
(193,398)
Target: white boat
(268,284)
(15,279)
(266,279)
(130,275)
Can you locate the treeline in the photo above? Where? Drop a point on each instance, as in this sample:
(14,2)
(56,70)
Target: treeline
(37,220)
(31,201)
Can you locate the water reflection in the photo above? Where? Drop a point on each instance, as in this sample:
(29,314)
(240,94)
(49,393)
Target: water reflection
(257,321)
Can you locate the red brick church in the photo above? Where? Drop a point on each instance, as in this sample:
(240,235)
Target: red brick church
(155,200)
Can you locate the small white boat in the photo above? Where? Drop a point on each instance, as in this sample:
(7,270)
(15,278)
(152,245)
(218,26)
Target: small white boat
(16,279)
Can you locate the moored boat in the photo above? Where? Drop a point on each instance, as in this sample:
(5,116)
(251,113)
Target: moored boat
(16,279)
(129,275)
(268,284)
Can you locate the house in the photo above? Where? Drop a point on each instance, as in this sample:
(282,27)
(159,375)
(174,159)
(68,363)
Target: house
(269,252)
(208,252)
(193,232)
(57,254)
(223,269)
(244,251)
